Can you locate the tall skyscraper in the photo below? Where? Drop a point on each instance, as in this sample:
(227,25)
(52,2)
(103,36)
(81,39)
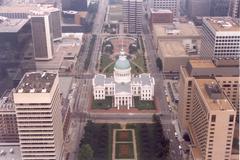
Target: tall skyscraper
(173,5)
(219,7)
(132,16)
(212,121)
(223,71)
(234,10)
(42,40)
(39,120)
(8,121)
(198,8)
(221,38)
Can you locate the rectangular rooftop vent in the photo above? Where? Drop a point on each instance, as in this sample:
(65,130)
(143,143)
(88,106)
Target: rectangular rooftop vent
(214,91)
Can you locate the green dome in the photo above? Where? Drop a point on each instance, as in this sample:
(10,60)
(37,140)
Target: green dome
(122,63)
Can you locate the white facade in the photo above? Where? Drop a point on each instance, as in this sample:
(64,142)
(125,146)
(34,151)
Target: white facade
(123,87)
(172,5)
(221,38)
(39,120)
(132,16)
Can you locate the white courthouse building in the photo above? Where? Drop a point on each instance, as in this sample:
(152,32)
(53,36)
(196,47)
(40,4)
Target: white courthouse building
(123,87)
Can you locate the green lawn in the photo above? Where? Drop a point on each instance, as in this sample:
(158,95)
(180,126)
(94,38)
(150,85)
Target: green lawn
(102,104)
(105,60)
(124,136)
(140,61)
(144,105)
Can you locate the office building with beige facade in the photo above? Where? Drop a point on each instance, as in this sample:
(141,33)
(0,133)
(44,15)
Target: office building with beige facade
(221,38)
(176,43)
(225,72)
(212,122)
(38,111)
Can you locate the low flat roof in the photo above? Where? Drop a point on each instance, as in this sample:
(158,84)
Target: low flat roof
(176,29)
(12,25)
(156,10)
(200,63)
(213,104)
(223,23)
(172,49)
(36,82)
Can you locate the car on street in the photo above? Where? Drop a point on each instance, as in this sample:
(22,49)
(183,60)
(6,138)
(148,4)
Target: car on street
(175,134)
(180,147)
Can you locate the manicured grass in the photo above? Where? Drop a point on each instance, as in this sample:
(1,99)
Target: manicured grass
(99,137)
(102,104)
(144,105)
(139,60)
(124,151)
(105,60)
(151,142)
(109,71)
(124,136)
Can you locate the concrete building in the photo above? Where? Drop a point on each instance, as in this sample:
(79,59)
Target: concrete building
(10,151)
(122,86)
(16,51)
(160,16)
(132,16)
(234,10)
(212,121)
(198,8)
(8,122)
(176,43)
(221,38)
(173,5)
(219,8)
(38,110)
(76,5)
(224,72)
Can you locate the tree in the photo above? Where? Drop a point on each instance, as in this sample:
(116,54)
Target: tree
(186,137)
(159,63)
(86,152)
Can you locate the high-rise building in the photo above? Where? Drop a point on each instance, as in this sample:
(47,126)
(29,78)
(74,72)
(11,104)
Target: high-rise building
(223,71)
(219,7)
(198,8)
(234,10)
(221,38)
(132,16)
(42,40)
(46,25)
(16,51)
(172,5)
(39,120)
(77,5)
(212,121)
(8,121)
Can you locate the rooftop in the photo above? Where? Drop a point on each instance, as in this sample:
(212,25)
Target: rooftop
(172,49)
(156,10)
(175,29)
(10,152)
(223,23)
(11,25)
(36,82)
(122,87)
(213,103)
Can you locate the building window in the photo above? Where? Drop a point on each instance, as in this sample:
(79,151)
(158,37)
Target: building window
(213,118)
(231,118)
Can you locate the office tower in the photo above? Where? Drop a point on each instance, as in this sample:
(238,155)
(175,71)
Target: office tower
(234,10)
(38,110)
(172,5)
(42,40)
(55,24)
(132,16)
(8,122)
(221,38)
(212,121)
(76,5)
(198,8)
(16,51)
(224,71)
(219,7)
(160,16)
